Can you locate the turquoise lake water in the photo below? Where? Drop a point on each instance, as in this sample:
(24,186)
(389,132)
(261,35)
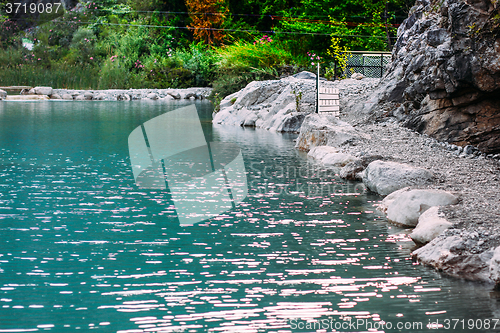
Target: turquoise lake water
(83,248)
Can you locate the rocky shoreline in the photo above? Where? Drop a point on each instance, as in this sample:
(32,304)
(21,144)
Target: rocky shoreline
(48,93)
(447,193)
(467,244)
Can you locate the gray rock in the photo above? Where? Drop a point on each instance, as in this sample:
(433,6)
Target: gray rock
(3,93)
(80,98)
(494,268)
(55,96)
(43,90)
(67,97)
(290,122)
(430,225)
(229,100)
(88,96)
(357,76)
(305,75)
(469,150)
(174,94)
(190,95)
(325,130)
(451,253)
(100,97)
(250,120)
(352,170)
(406,207)
(123,97)
(271,105)
(152,96)
(387,177)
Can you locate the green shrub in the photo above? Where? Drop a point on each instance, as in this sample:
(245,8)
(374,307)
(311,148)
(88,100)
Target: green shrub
(167,77)
(199,60)
(246,56)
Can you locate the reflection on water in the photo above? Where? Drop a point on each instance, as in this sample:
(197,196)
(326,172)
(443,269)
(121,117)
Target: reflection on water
(83,248)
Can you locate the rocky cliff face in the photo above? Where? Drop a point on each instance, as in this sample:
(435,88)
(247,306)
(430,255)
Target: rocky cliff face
(444,79)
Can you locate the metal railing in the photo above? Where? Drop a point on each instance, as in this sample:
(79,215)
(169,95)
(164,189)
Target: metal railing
(370,64)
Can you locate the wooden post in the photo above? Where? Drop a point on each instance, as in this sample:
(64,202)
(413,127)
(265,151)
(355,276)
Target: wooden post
(317,90)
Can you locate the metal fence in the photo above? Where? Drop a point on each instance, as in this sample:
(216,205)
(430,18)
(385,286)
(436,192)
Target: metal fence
(370,64)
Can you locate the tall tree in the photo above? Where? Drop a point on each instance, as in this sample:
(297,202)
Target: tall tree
(207,18)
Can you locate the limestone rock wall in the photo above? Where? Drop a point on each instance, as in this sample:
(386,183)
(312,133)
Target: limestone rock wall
(444,78)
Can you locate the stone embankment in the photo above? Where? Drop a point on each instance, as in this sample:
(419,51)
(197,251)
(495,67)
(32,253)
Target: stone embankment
(46,93)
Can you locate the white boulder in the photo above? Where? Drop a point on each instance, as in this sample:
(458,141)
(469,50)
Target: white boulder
(80,98)
(407,206)
(88,96)
(326,130)
(451,253)
(388,200)
(43,90)
(430,225)
(174,94)
(3,93)
(152,96)
(387,177)
(100,97)
(338,159)
(67,97)
(123,97)
(320,152)
(494,268)
(330,156)
(357,76)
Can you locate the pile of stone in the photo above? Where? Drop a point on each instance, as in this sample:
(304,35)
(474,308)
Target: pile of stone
(45,93)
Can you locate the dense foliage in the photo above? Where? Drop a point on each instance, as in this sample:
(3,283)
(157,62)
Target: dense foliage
(181,43)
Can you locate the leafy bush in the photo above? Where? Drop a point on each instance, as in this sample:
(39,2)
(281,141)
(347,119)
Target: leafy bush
(168,73)
(82,45)
(199,60)
(260,54)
